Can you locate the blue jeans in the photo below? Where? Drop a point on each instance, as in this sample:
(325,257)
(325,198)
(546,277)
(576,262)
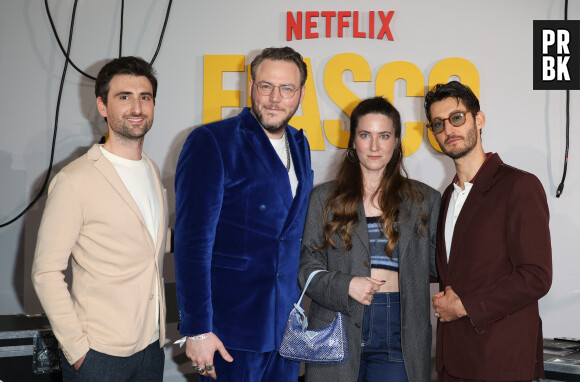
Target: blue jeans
(381,356)
(143,366)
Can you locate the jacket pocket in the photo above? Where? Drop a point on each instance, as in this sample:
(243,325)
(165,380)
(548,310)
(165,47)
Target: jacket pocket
(113,315)
(238,263)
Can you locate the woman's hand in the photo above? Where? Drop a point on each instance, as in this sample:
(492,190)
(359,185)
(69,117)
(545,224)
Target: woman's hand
(362,289)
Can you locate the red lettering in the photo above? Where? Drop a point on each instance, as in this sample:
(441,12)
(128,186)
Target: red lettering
(309,25)
(293,25)
(372,24)
(355,31)
(341,22)
(328,15)
(385,30)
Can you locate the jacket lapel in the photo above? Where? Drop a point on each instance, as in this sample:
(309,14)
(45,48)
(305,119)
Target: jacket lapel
(361,233)
(267,156)
(405,227)
(298,152)
(108,171)
(161,196)
(441,253)
(466,220)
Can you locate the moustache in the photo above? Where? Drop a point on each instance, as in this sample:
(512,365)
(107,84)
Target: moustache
(452,137)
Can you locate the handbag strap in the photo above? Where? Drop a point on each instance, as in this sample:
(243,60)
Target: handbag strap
(303,319)
(308,282)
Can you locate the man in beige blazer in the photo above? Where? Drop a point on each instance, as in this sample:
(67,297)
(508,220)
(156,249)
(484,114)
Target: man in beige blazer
(107,212)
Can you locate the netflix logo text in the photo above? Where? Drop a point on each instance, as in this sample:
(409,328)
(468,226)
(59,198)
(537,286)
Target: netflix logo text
(314,24)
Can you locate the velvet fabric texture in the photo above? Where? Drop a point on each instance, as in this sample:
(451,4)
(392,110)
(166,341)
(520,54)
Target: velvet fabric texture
(238,232)
(254,367)
(500,265)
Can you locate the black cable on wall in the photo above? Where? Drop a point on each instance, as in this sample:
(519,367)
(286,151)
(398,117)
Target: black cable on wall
(561,185)
(67,62)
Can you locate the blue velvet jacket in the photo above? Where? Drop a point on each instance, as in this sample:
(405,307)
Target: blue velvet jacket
(238,232)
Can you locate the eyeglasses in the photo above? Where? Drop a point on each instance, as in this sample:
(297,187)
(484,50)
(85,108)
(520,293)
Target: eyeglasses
(266,88)
(456,119)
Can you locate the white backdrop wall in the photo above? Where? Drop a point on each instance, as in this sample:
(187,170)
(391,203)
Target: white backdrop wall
(526,127)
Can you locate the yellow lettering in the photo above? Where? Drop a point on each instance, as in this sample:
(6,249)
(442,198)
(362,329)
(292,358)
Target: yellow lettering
(340,94)
(214,96)
(309,121)
(385,86)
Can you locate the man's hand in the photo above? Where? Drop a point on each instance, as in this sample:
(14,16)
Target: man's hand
(448,306)
(201,353)
(362,289)
(77,364)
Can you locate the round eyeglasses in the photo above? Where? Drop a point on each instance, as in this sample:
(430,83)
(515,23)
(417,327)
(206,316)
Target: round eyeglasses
(266,88)
(456,119)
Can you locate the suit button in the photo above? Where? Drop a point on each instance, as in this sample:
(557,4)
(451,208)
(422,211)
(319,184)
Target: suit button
(263,207)
(357,324)
(366,263)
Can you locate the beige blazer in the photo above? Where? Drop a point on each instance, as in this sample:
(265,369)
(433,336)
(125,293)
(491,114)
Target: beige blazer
(116,269)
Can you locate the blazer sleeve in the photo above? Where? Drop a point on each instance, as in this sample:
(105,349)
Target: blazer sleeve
(529,250)
(60,227)
(327,289)
(199,188)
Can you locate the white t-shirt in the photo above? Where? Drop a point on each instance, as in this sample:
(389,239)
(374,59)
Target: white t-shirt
(280,147)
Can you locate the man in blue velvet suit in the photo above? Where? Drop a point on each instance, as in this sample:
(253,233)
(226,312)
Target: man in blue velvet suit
(242,188)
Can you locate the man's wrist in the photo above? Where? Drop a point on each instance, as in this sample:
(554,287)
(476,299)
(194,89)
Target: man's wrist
(199,336)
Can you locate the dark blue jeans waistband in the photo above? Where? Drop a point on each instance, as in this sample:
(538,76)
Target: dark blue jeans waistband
(386,298)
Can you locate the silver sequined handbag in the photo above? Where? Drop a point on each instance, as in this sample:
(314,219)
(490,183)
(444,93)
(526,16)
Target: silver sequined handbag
(326,345)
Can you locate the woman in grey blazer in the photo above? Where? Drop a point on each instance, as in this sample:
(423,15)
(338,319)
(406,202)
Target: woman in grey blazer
(373,230)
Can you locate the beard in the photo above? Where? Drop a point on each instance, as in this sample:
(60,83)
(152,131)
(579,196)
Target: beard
(272,128)
(127,132)
(459,152)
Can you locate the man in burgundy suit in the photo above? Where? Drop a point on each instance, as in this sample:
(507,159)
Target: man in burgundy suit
(493,252)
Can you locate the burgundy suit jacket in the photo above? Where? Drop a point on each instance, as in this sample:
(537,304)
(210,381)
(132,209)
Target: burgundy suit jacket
(500,265)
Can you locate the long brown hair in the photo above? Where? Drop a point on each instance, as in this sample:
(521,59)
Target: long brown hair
(341,212)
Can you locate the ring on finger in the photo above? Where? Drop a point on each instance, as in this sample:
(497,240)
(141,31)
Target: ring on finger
(209,368)
(371,297)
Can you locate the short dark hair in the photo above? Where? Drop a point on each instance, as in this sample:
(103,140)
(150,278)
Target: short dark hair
(134,66)
(280,54)
(452,89)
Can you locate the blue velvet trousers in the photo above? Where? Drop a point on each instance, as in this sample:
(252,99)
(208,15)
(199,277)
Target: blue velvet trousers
(144,366)
(381,356)
(254,367)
